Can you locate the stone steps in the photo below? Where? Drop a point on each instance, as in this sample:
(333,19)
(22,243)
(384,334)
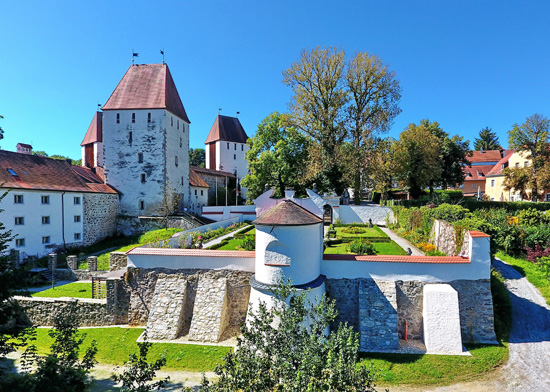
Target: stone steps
(168,308)
(210,312)
(378,315)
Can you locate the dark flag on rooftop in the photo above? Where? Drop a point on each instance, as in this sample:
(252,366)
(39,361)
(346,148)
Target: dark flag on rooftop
(135,54)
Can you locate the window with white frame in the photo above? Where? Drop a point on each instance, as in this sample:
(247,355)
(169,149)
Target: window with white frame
(76,200)
(77,236)
(19,220)
(77,218)
(492,183)
(46,239)
(19,242)
(45,220)
(18,199)
(45,199)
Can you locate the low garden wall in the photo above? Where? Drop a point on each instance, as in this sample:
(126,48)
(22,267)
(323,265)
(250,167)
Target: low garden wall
(362,214)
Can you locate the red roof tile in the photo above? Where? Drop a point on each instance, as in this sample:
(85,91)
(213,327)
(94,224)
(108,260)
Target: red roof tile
(478,234)
(401,259)
(195,180)
(497,169)
(212,172)
(227,129)
(147,86)
(95,130)
(41,173)
(287,213)
(485,156)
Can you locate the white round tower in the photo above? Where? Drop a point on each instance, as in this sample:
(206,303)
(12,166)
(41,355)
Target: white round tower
(289,245)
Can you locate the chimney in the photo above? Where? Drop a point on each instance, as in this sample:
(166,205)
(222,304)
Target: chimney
(69,161)
(23,148)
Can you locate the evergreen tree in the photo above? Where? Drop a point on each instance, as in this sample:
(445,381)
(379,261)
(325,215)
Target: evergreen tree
(488,140)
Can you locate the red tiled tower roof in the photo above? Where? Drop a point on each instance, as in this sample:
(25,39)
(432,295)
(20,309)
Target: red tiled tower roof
(147,86)
(196,180)
(287,213)
(227,129)
(95,130)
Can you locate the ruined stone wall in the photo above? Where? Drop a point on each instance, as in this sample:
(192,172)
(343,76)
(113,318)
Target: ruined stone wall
(211,180)
(142,284)
(128,225)
(117,261)
(475,304)
(90,312)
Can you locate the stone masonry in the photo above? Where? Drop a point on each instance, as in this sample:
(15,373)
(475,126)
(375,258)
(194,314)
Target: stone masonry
(117,261)
(100,212)
(210,313)
(377,315)
(168,307)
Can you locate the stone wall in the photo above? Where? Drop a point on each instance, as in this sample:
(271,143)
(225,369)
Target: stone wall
(443,236)
(128,225)
(70,274)
(90,312)
(377,315)
(210,315)
(475,304)
(211,180)
(100,212)
(117,261)
(362,214)
(142,284)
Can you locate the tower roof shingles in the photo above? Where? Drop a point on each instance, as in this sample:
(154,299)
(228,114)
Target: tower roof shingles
(95,130)
(147,86)
(227,129)
(287,213)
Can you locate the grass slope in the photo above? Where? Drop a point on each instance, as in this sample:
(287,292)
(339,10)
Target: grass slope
(115,344)
(76,290)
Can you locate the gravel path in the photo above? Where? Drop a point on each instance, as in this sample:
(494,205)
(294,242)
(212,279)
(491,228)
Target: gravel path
(402,242)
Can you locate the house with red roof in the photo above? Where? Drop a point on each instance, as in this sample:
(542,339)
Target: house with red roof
(53,204)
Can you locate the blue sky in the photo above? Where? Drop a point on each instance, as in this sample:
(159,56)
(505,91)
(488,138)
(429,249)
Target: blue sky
(465,64)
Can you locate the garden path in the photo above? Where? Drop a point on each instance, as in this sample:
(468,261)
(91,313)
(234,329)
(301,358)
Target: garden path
(402,242)
(528,367)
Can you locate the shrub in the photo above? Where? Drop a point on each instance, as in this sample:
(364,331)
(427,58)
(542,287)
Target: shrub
(535,254)
(361,247)
(353,230)
(248,243)
(531,217)
(537,235)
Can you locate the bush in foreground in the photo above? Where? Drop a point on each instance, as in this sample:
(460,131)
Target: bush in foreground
(285,348)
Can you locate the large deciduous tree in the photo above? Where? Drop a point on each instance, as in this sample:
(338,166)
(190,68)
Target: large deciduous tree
(277,157)
(488,140)
(197,157)
(417,158)
(374,94)
(381,166)
(317,108)
(531,137)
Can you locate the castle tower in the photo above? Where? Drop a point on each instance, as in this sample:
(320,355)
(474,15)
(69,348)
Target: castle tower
(226,146)
(146,142)
(289,245)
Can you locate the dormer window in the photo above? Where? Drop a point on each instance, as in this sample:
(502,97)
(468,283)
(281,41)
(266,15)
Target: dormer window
(502,166)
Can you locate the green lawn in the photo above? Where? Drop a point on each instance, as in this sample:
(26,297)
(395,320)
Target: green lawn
(124,246)
(409,369)
(369,232)
(76,290)
(115,344)
(231,244)
(531,271)
(382,248)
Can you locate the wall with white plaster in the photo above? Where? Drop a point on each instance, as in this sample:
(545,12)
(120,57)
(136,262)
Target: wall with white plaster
(177,260)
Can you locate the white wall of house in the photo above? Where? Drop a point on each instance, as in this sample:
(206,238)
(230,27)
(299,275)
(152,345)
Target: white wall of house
(219,213)
(230,156)
(199,198)
(34,229)
(159,142)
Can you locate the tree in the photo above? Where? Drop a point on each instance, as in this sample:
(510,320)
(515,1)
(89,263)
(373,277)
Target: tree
(374,97)
(197,157)
(381,166)
(139,373)
(532,138)
(1,130)
(317,108)
(488,140)
(277,157)
(76,162)
(417,158)
(518,179)
(286,348)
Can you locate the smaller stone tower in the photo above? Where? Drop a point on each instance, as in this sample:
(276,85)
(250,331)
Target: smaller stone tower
(289,245)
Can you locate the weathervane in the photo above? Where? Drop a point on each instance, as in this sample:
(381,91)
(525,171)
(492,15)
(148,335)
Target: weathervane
(134,54)
(162,52)
(219,110)
(238,114)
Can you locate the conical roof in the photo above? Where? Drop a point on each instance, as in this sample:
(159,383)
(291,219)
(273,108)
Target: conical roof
(287,213)
(228,129)
(147,86)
